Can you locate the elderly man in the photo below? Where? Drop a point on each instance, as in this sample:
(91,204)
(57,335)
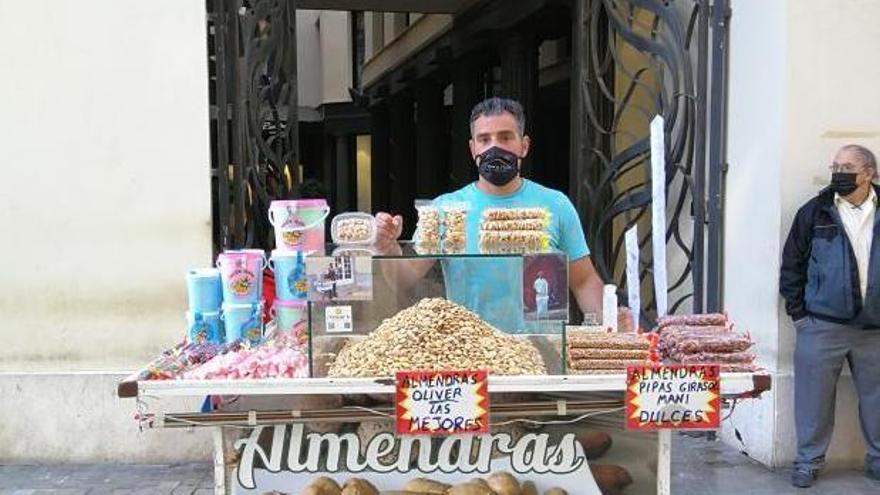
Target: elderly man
(830,279)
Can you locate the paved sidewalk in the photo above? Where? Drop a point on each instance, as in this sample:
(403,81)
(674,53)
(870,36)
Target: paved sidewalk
(98,479)
(699,467)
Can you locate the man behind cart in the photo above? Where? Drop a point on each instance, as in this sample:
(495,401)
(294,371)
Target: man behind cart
(830,279)
(498,144)
(489,287)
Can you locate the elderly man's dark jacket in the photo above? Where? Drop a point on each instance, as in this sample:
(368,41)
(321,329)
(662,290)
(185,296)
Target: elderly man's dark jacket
(819,274)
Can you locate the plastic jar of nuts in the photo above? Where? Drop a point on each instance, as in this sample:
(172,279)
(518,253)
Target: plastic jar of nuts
(353,228)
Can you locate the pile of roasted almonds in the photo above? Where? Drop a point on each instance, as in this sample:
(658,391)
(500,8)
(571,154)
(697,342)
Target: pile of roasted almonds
(436,334)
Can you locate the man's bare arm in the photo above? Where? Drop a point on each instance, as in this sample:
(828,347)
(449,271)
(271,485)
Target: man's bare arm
(586,285)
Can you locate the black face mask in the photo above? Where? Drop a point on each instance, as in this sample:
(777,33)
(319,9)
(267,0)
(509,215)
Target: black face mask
(498,166)
(844,183)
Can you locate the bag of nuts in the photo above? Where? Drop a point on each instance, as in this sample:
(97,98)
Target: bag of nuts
(426,238)
(455,227)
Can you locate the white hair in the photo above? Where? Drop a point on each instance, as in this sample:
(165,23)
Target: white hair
(866,155)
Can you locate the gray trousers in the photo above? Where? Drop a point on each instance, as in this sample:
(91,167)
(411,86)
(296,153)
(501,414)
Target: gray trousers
(820,351)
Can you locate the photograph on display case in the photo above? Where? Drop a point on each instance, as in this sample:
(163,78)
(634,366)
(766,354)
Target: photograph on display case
(344,277)
(545,287)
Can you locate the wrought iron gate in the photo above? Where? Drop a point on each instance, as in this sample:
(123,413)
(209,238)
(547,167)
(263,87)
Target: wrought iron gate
(632,60)
(253,83)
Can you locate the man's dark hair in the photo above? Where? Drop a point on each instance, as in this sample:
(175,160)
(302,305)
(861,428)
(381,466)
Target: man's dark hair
(865,154)
(311,188)
(497,106)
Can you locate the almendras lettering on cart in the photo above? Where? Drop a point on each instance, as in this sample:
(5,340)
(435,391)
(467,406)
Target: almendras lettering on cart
(293,450)
(441,381)
(663,373)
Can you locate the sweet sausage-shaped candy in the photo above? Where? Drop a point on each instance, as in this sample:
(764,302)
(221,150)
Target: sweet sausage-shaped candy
(584,353)
(424,485)
(701,319)
(357,486)
(608,364)
(714,357)
(603,340)
(504,484)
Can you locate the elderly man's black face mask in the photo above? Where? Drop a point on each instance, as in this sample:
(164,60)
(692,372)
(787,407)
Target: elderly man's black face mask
(498,166)
(844,183)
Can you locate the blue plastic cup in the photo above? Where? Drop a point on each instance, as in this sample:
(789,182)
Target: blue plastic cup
(291,283)
(243,321)
(204,327)
(204,290)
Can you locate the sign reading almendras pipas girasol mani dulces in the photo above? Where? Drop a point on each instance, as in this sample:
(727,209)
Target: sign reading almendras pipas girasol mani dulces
(673,397)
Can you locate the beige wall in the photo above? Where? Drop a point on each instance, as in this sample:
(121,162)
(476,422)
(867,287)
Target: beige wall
(121,151)
(308,58)
(105,204)
(76,417)
(106,190)
(802,83)
(324,57)
(335,56)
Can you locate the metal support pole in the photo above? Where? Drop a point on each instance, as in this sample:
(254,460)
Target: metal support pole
(716,158)
(220,487)
(577,128)
(292,76)
(664,462)
(699,168)
(221,27)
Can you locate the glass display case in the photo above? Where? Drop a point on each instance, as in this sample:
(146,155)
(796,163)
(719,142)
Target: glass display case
(373,314)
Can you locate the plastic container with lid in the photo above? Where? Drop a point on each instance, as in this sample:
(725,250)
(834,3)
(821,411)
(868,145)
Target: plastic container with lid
(353,228)
(354,251)
(299,223)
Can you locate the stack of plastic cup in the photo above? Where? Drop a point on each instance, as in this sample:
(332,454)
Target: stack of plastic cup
(289,315)
(243,321)
(299,232)
(241,276)
(205,295)
(291,289)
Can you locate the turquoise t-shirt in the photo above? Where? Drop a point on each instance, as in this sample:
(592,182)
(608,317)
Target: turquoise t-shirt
(493,287)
